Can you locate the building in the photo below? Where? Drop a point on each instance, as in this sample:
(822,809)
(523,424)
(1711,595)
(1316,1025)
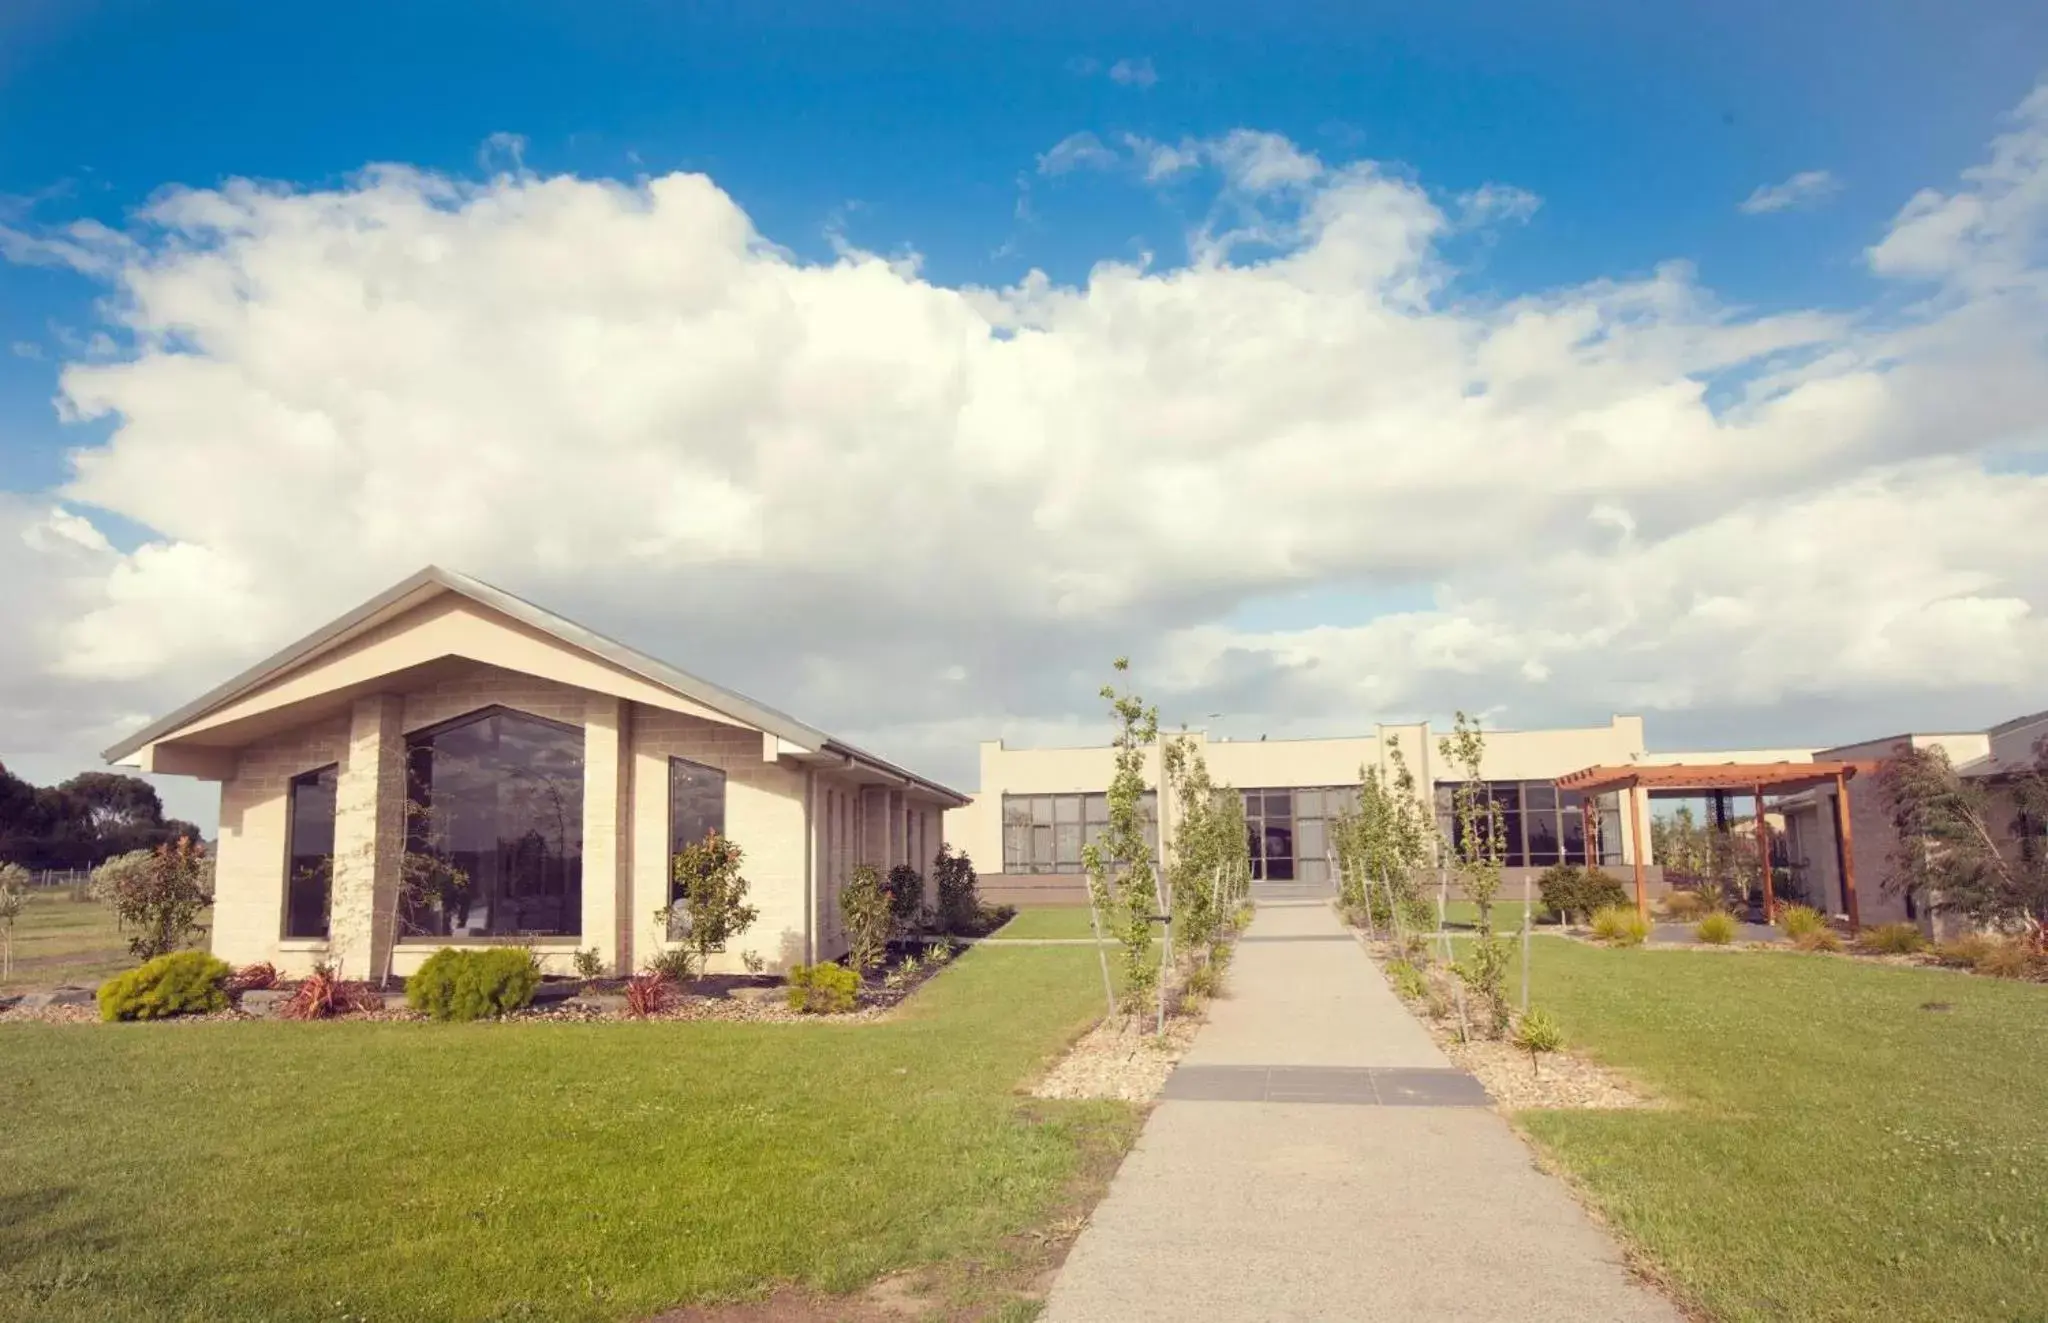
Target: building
(1036,808)
(1818,850)
(538,775)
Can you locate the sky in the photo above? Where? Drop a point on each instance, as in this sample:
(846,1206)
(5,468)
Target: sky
(903,365)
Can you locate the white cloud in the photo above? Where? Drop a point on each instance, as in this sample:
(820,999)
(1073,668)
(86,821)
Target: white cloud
(926,514)
(1805,189)
(1989,231)
(1076,151)
(1134,73)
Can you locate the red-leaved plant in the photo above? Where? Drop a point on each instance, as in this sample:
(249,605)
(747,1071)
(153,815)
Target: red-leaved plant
(253,978)
(648,994)
(324,993)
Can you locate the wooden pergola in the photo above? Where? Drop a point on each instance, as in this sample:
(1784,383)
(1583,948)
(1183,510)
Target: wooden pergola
(1714,778)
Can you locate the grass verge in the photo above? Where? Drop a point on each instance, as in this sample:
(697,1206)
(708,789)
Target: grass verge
(533,1170)
(1851,1141)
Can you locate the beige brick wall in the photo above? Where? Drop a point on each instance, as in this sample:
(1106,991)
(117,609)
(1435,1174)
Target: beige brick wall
(249,863)
(764,814)
(369,836)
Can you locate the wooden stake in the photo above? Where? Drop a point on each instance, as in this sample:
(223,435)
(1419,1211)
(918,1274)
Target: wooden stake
(1101,954)
(1763,854)
(1526,920)
(1636,798)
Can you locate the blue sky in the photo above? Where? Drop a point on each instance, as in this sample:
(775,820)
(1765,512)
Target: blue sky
(1537,489)
(1639,126)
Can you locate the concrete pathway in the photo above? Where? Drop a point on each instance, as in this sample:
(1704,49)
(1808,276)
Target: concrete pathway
(1390,1197)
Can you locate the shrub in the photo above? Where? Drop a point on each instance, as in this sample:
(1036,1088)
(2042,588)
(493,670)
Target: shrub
(1620,925)
(901,977)
(1800,920)
(673,964)
(906,897)
(648,994)
(473,985)
(1964,952)
(1221,954)
(589,964)
(864,907)
(1568,890)
(253,978)
(1716,929)
(1408,980)
(1685,905)
(959,894)
(1204,980)
(187,983)
(160,896)
(1819,939)
(1538,1033)
(2009,958)
(324,993)
(822,989)
(710,906)
(1893,939)
(940,954)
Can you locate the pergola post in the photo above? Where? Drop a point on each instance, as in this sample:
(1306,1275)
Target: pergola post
(1848,839)
(1763,856)
(1642,841)
(1589,834)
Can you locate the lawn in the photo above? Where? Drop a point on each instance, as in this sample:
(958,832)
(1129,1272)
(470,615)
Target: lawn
(533,1170)
(1043,921)
(1852,1141)
(60,940)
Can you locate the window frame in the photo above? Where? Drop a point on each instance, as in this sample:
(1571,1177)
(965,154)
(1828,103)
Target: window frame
(291,831)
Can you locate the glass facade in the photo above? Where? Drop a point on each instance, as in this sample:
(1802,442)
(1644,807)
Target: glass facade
(309,870)
(494,828)
(1045,833)
(1541,824)
(1288,832)
(696,807)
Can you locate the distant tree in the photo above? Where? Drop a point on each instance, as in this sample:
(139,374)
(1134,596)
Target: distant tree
(1965,848)
(87,820)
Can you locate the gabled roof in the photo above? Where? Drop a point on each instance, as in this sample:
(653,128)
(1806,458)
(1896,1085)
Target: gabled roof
(431,582)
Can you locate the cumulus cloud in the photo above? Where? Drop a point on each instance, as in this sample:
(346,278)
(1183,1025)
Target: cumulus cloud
(1805,189)
(925,514)
(1076,151)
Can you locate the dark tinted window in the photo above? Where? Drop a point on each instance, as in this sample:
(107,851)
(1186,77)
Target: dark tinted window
(309,870)
(495,826)
(696,806)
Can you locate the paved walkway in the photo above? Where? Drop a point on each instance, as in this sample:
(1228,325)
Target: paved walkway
(1365,1184)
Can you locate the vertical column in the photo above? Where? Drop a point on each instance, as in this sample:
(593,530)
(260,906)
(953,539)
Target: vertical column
(369,837)
(1847,836)
(607,844)
(1642,849)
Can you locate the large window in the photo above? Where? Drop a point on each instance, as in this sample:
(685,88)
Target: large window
(1045,833)
(1287,832)
(696,808)
(494,828)
(1541,824)
(309,869)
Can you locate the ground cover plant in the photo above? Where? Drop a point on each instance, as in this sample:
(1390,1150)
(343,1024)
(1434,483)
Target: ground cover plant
(631,1167)
(1847,1139)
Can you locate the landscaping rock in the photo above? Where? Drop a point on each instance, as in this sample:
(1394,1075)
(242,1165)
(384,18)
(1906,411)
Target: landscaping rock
(264,1003)
(395,1001)
(601,1003)
(65,996)
(757,996)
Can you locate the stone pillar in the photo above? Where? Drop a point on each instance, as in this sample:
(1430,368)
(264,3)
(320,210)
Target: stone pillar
(607,843)
(369,836)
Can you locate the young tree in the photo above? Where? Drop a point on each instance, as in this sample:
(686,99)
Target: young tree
(1479,853)
(1962,852)
(13,897)
(864,911)
(958,889)
(1208,847)
(1122,885)
(711,907)
(162,898)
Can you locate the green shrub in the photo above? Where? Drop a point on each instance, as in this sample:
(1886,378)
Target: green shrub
(589,963)
(1716,929)
(186,983)
(864,911)
(1893,939)
(1569,890)
(1408,980)
(1204,980)
(473,985)
(1620,925)
(1798,920)
(1537,1032)
(906,898)
(673,964)
(959,893)
(822,989)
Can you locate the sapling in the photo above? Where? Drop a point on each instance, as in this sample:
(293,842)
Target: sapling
(1122,885)
(1536,1034)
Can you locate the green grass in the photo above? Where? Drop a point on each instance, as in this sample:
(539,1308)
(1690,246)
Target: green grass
(533,1170)
(1836,1152)
(59,940)
(1043,921)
